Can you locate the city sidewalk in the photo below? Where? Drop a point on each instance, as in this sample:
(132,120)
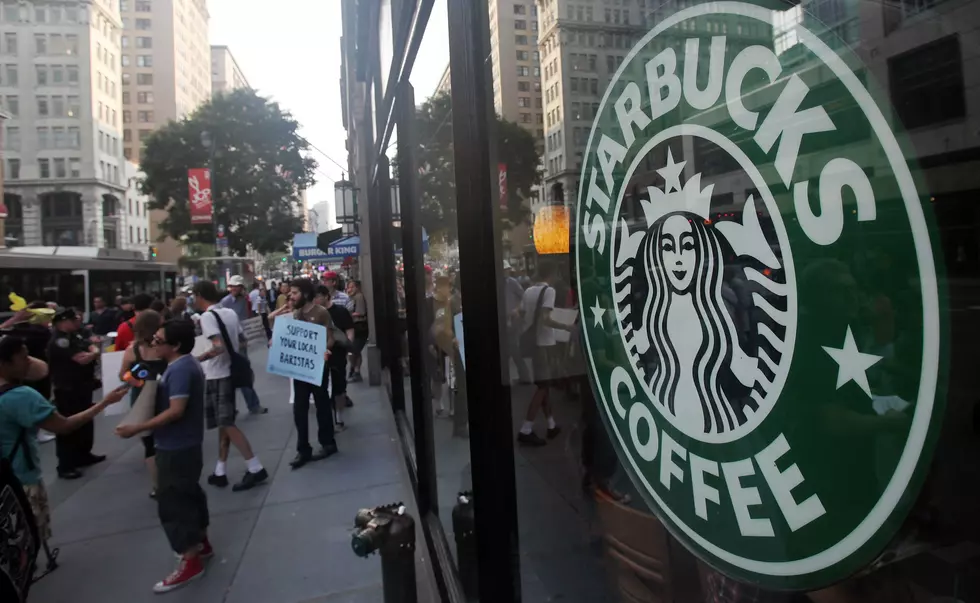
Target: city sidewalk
(287,541)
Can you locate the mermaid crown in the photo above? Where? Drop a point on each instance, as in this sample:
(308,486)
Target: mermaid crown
(690,197)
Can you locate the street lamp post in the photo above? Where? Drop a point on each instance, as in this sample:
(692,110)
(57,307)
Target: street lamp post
(208,143)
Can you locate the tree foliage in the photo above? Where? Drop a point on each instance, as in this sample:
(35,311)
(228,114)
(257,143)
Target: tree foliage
(258,169)
(516,147)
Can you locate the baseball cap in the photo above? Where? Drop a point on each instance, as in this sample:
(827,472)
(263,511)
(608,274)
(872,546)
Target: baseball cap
(331,275)
(236,281)
(65,314)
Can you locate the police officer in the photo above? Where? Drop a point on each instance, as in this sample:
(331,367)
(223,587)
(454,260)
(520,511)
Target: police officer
(71,358)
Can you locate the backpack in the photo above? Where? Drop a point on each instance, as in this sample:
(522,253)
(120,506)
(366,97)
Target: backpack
(19,538)
(529,338)
(241,369)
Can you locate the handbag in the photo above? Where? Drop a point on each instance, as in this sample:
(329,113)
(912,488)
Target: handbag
(20,542)
(529,338)
(242,374)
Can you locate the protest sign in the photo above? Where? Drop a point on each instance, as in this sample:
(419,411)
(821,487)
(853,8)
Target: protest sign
(254,329)
(298,350)
(111,363)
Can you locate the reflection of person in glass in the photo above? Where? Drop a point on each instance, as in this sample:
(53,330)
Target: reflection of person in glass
(684,267)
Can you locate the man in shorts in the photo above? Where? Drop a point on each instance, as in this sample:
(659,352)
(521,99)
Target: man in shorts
(219,392)
(536,307)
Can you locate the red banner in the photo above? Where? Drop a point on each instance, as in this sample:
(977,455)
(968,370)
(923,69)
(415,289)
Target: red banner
(199,195)
(502,182)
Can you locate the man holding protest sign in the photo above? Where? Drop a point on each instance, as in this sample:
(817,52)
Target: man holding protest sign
(295,361)
(220,325)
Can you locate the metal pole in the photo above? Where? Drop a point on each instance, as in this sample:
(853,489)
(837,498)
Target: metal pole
(392,346)
(489,404)
(414,300)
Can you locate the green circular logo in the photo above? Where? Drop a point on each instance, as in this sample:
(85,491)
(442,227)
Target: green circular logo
(759,292)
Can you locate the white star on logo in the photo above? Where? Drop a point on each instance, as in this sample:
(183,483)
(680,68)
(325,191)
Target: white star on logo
(597,313)
(852,365)
(672,173)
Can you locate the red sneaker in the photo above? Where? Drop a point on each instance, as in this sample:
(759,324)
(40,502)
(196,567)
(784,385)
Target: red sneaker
(189,568)
(205,551)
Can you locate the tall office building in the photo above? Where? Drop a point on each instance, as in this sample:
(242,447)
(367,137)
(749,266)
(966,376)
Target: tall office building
(516,68)
(166,74)
(226,75)
(60,85)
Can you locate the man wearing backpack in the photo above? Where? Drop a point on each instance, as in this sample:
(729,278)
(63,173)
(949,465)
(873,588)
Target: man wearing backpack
(538,341)
(220,325)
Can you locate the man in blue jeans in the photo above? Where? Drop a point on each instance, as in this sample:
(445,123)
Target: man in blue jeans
(238,301)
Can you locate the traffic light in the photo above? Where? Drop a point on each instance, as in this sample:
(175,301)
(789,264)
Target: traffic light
(283,259)
(153,252)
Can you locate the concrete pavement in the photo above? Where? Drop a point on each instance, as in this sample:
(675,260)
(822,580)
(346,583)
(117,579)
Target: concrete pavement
(287,541)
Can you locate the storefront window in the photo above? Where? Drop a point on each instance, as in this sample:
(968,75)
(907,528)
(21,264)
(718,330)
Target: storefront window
(735,293)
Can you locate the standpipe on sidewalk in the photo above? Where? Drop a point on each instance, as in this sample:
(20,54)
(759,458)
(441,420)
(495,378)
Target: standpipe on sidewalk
(389,530)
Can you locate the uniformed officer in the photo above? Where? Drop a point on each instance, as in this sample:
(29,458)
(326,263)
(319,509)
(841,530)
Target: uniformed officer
(72,358)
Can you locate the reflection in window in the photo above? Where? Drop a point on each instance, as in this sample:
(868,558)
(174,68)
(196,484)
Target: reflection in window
(927,83)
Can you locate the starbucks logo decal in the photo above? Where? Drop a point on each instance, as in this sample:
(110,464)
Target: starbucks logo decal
(762,317)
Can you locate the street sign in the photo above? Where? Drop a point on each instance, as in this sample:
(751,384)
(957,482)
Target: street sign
(770,412)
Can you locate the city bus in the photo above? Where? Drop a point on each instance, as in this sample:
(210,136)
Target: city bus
(74,276)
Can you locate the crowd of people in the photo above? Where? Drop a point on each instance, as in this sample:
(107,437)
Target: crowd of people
(48,362)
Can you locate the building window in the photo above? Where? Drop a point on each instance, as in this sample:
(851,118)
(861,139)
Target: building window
(143,6)
(74,107)
(523,101)
(123,6)
(144,60)
(43,168)
(71,43)
(13,105)
(72,75)
(125,60)
(143,24)
(144,42)
(58,106)
(144,98)
(11,141)
(125,98)
(74,138)
(144,117)
(59,168)
(127,135)
(40,44)
(42,106)
(10,13)
(40,15)
(127,117)
(927,83)
(523,86)
(522,55)
(144,134)
(128,153)
(144,79)
(520,40)
(520,24)
(43,140)
(525,118)
(124,42)
(75,167)
(10,43)
(13,169)
(11,76)
(522,71)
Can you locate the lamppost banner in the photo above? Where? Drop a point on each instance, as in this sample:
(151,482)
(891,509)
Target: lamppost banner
(199,195)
